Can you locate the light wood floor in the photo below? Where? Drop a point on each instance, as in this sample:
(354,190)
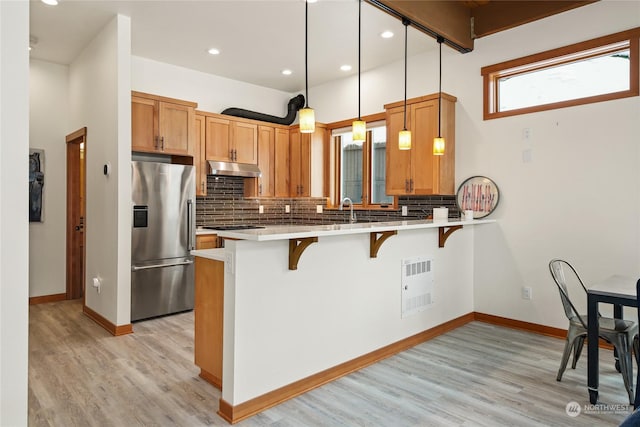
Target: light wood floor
(476,375)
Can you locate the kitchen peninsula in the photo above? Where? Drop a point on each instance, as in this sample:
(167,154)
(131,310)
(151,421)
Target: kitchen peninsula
(304,305)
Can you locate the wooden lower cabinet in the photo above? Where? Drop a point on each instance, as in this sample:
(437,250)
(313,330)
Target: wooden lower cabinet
(208,316)
(207,241)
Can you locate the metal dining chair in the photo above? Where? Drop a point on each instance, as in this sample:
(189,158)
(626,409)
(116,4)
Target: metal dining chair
(621,333)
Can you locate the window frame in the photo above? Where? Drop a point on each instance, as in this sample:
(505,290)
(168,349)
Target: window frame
(336,165)
(567,54)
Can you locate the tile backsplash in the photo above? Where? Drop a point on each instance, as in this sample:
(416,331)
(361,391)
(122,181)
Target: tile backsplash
(225,204)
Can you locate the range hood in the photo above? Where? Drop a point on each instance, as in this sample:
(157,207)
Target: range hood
(233,169)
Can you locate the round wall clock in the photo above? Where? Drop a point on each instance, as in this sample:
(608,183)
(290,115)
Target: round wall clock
(478,193)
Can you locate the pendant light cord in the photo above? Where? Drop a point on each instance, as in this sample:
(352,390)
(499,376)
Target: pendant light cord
(359,44)
(306,67)
(440,40)
(406,23)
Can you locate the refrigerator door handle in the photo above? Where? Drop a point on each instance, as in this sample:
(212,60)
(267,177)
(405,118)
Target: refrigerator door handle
(190,222)
(173,264)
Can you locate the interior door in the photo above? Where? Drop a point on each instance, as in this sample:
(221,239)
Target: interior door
(75,260)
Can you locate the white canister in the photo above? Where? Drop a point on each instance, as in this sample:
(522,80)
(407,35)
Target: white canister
(468,215)
(440,214)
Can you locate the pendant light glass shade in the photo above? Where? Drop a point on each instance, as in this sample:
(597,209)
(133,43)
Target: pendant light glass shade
(404,137)
(359,130)
(307,119)
(359,127)
(438,146)
(438,142)
(404,140)
(306,115)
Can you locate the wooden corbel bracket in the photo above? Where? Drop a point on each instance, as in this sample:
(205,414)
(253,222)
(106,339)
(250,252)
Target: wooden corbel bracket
(443,234)
(296,248)
(376,239)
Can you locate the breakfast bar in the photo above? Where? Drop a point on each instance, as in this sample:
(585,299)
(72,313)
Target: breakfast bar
(303,305)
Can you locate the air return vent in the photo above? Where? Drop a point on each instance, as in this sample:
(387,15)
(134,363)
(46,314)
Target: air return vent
(417,285)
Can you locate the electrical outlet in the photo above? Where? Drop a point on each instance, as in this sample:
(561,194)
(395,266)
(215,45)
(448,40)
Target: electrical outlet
(404,211)
(526,134)
(261,209)
(318,208)
(287,208)
(527,292)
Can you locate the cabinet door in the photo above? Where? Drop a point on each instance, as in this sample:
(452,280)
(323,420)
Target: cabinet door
(281,163)
(398,165)
(295,139)
(199,160)
(266,153)
(424,127)
(244,137)
(305,165)
(176,128)
(144,124)
(208,318)
(217,145)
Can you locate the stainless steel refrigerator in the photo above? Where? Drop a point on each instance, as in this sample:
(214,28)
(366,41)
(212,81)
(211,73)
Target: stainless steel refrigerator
(163,234)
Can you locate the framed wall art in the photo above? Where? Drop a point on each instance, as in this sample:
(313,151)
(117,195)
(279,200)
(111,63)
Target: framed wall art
(479,194)
(36,184)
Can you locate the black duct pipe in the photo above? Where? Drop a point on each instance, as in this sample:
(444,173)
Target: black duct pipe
(294,105)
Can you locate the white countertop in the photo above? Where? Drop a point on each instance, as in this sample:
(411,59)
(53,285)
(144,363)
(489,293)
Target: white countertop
(204,231)
(217,254)
(285,232)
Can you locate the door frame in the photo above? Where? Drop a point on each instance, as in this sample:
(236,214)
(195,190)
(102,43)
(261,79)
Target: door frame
(73,140)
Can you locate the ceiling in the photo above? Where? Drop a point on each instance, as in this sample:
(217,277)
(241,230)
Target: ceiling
(257,39)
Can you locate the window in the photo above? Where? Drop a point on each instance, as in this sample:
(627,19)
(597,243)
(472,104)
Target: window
(360,167)
(592,71)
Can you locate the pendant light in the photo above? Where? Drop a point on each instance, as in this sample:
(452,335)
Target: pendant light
(307,117)
(359,129)
(438,142)
(404,137)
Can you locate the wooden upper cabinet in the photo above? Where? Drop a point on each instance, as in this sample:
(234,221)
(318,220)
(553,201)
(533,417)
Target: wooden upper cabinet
(281,163)
(144,124)
(162,125)
(263,186)
(177,130)
(244,138)
(418,171)
(231,140)
(199,159)
(306,157)
(218,142)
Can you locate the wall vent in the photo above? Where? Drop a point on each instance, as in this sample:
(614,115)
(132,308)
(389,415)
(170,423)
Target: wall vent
(416,285)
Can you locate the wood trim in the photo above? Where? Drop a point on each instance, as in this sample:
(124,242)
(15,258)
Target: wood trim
(562,51)
(376,239)
(444,235)
(211,379)
(106,324)
(423,98)
(296,248)
(80,133)
(529,327)
(236,413)
(377,117)
(75,203)
(491,72)
(47,298)
(164,99)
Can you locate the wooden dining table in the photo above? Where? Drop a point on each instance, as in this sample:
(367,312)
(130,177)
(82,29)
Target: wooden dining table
(619,291)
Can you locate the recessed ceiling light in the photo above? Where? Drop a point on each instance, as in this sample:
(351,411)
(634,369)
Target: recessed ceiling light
(286,72)
(50,2)
(214,51)
(386,34)
(345,67)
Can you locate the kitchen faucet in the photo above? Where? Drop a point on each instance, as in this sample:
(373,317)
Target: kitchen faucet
(352,216)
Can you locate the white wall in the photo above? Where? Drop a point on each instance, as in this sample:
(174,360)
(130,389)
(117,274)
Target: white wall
(14,229)
(48,126)
(100,100)
(338,305)
(212,93)
(579,197)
